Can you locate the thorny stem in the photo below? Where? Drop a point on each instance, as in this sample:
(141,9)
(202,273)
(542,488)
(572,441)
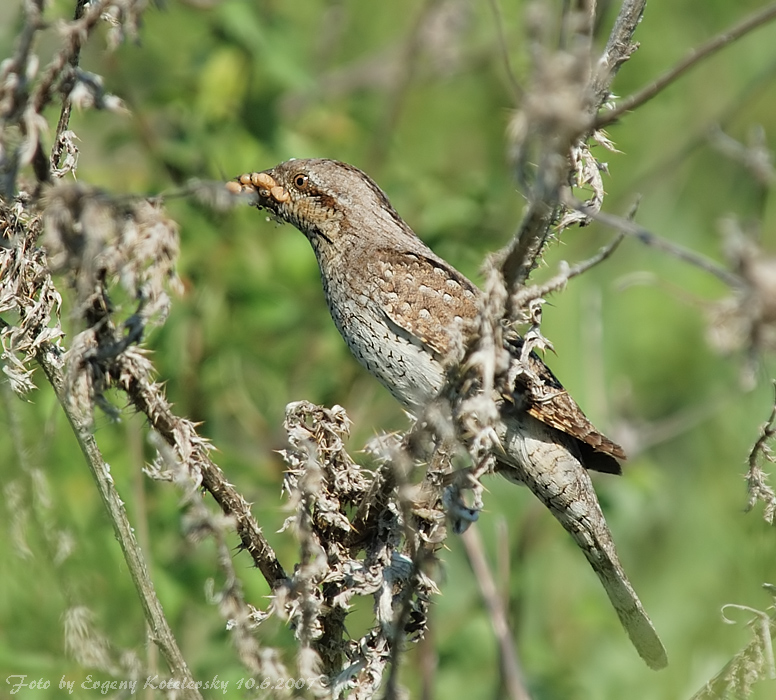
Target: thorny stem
(416,551)
(527,244)
(618,49)
(50,360)
(78,31)
(147,399)
(367,516)
(534,231)
(416,547)
(32,24)
(767,432)
(9,162)
(400,618)
(755,20)
(528,294)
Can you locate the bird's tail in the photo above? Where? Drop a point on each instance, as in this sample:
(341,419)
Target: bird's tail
(626,603)
(536,457)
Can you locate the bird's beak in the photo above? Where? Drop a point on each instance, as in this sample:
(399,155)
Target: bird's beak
(270,194)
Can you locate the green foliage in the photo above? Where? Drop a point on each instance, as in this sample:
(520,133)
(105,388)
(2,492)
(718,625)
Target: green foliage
(243,84)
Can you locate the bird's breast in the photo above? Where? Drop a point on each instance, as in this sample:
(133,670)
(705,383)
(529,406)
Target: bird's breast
(398,361)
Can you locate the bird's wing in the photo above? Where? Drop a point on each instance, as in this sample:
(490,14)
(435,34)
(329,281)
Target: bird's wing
(422,296)
(547,401)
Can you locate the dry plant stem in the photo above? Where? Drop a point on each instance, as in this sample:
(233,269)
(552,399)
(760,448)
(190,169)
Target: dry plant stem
(149,400)
(511,672)
(718,42)
(571,14)
(77,31)
(648,238)
(534,230)
(767,432)
(559,281)
(753,663)
(32,24)
(64,116)
(392,690)
(619,47)
(367,516)
(50,360)
(756,478)
(528,244)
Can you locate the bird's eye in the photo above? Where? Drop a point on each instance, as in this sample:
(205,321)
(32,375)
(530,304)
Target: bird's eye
(300,181)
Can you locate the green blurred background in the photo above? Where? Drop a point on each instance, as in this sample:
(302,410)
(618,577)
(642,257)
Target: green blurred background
(417,95)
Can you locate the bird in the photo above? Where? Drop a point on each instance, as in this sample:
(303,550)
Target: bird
(400,307)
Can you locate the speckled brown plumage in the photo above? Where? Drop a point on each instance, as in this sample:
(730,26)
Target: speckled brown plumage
(421,295)
(398,306)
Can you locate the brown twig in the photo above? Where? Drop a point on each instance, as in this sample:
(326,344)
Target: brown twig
(19,98)
(32,24)
(77,32)
(755,20)
(619,48)
(149,399)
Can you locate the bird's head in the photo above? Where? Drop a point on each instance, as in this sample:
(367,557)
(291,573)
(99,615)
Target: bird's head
(326,200)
